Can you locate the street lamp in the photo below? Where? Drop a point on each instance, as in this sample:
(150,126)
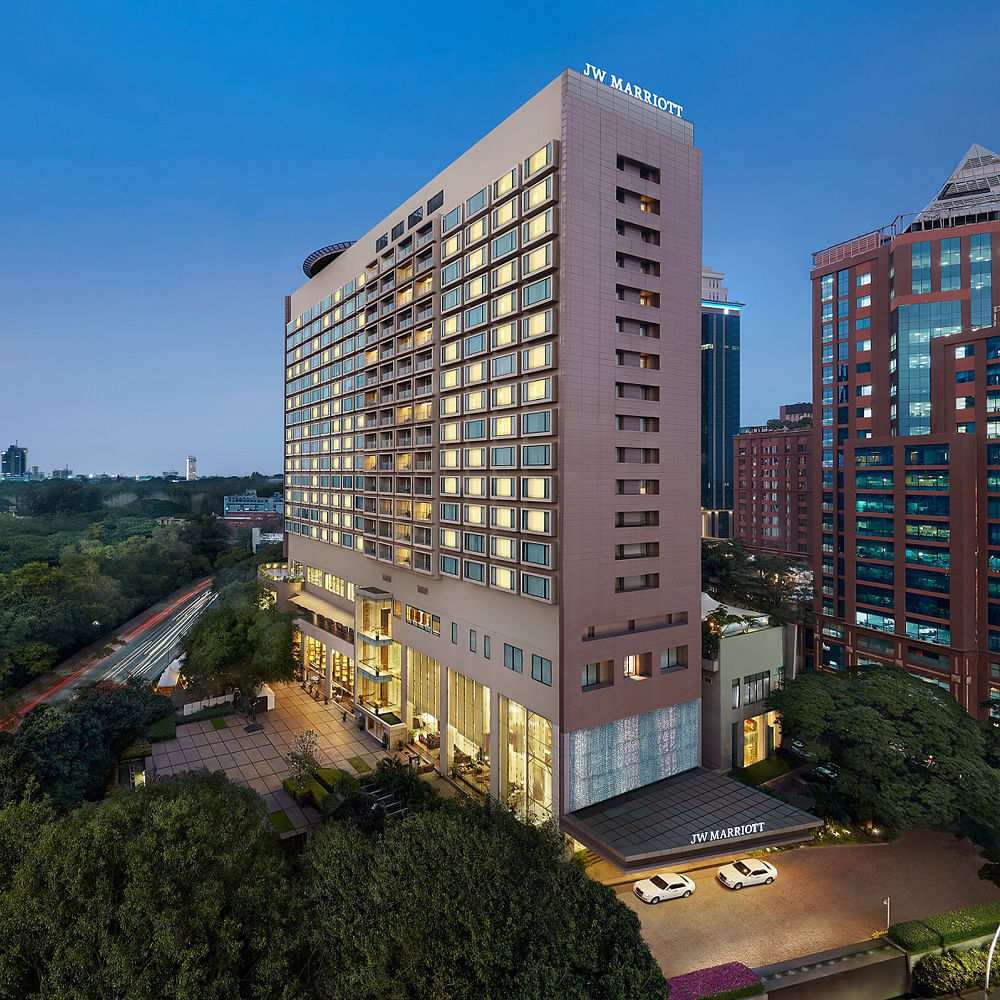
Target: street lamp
(886,902)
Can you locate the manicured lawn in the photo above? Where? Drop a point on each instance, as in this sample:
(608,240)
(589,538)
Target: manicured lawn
(219,724)
(359,764)
(280,821)
(765,770)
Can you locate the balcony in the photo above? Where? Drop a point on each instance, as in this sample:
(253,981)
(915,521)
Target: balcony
(422,241)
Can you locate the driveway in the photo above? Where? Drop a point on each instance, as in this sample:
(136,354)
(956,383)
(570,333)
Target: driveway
(259,759)
(823,897)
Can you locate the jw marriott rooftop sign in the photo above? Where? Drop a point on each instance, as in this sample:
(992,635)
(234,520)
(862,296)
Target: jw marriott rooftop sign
(633,90)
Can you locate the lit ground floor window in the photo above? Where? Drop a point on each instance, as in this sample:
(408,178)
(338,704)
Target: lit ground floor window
(527,738)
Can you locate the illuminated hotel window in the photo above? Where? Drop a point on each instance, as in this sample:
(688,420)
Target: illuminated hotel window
(538,160)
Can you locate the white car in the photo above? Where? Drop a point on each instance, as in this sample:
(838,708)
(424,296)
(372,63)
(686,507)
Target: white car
(669,885)
(747,871)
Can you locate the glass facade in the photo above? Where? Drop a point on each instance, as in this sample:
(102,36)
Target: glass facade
(720,404)
(915,327)
(980,283)
(527,739)
(615,757)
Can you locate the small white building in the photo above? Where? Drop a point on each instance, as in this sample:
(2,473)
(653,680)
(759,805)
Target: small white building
(754,658)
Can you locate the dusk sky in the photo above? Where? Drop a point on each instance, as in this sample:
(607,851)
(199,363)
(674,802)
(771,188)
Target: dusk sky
(166,167)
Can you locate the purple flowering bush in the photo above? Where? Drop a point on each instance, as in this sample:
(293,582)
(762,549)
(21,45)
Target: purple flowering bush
(721,982)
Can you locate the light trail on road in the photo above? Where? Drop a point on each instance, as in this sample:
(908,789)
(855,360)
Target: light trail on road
(151,622)
(151,655)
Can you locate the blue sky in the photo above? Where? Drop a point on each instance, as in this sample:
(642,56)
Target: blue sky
(165,167)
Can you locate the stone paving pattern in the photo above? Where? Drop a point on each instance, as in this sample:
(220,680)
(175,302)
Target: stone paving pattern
(259,759)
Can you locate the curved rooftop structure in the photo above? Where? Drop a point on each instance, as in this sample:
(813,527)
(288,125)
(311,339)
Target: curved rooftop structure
(318,259)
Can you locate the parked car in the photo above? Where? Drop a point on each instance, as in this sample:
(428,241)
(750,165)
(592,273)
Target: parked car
(747,871)
(798,749)
(669,885)
(825,772)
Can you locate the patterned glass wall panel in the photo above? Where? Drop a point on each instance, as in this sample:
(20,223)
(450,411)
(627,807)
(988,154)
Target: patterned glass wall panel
(616,757)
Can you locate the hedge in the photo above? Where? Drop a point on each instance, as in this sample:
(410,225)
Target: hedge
(306,790)
(954,972)
(333,779)
(720,982)
(163,729)
(943,929)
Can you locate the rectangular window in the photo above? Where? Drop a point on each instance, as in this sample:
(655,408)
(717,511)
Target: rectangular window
(674,658)
(538,160)
(535,586)
(537,292)
(451,219)
(541,669)
(537,422)
(476,202)
(486,647)
(920,263)
(454,633)
(536,454)
(951,264)
(472,640)
(512,657)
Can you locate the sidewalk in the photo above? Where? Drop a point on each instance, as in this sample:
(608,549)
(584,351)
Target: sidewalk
(259,759)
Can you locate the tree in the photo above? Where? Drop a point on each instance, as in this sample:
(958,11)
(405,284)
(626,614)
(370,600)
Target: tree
(237,646)
(465,902)
(909,754)
(301,753)
(67,751)
(176,892)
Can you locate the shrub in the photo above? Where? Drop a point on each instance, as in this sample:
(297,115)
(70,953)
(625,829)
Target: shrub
(913,936)
(163,729)
(333,779)
(721,982)
(212,712)
(392,775)
(954,972)
(136,750)
(947,928)
(306,790)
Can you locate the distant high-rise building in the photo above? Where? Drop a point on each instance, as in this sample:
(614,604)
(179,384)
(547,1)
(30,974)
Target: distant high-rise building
(796,412)
(906,368)
(170,474)
(14,463)
(190,468)
(720,401)
(773,495)
(66,473)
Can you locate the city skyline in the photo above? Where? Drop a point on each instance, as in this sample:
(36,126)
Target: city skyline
(150,185)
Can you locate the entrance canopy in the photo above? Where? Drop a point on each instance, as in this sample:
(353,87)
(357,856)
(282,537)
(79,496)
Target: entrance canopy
(691,815)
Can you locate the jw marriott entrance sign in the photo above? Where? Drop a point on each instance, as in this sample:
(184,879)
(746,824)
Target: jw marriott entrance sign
(727,833)
(633,90)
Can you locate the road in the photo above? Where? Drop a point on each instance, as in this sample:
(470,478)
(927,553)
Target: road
(144,653)
(824,897)
(149,649)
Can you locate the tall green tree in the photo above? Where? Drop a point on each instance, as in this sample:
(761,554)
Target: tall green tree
(909,754)
(237,645)
(176,892)
(465,902)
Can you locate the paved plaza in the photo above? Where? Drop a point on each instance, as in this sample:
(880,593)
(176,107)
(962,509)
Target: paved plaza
(259,759)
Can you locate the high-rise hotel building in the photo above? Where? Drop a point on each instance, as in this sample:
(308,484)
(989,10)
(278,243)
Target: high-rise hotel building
(492,452)
(907,381)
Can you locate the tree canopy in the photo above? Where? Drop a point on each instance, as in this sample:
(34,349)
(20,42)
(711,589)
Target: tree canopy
(769,584)
(909,754)
(237,645)
(176,892)
(465,901)
(66,751)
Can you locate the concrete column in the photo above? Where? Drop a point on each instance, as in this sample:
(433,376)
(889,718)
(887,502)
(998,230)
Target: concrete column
(557,776)
(328,668)
(495,765)
(445,751)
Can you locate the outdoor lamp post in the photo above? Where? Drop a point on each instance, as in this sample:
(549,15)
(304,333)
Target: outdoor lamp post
(989,964)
